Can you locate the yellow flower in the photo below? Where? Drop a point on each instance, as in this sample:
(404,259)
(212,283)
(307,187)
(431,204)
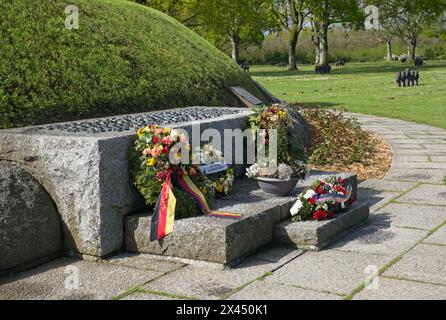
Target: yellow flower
(282,114)
(142,131)
(166,131)
(151,162)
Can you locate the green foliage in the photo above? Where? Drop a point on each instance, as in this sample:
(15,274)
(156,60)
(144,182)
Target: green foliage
(351,46)
(364,88)
(435,52)
(337,139)
(124,58)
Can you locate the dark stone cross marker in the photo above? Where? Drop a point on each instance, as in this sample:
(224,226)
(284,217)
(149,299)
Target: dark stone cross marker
(407,78)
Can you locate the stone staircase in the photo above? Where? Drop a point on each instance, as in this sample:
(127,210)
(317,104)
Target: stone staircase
(224,240)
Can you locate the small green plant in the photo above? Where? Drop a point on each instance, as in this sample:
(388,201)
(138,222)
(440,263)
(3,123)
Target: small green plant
(444,180)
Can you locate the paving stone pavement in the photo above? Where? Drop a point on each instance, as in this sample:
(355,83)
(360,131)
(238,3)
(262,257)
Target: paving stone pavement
(404,243)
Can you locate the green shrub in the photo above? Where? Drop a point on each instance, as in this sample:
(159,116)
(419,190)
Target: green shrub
(124,58)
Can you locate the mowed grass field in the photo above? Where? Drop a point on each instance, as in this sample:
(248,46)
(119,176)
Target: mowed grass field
(365,88)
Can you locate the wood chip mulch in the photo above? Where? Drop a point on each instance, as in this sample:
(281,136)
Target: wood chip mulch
(376,167)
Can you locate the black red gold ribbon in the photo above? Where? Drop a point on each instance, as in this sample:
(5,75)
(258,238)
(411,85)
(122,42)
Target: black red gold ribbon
(164,213)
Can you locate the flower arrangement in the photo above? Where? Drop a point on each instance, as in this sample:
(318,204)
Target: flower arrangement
(290,162)
(324,200)
(150,165)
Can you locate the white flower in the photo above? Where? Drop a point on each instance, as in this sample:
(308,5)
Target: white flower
(284,172)
(296,208)
(309,194)
(174,134)
(253,171)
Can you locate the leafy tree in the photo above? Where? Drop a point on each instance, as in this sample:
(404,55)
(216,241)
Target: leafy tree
(290,15)
(407,19)
(235,20)
(185,11)
(220,22)
(327,13)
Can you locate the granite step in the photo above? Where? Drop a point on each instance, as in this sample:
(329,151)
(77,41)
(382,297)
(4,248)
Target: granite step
(222,240)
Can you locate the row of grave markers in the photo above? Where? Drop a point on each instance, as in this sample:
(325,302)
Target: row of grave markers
(407,78)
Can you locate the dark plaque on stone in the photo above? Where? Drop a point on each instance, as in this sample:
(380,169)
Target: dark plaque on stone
(246,97)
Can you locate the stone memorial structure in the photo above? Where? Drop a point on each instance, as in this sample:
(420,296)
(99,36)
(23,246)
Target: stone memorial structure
(246,97)
(66,188)
(83,167)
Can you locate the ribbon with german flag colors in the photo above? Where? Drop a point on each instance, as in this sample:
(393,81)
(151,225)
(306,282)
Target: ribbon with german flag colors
(164,213)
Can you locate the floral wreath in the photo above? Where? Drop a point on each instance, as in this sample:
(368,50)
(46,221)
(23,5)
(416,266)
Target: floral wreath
(324,200)
(175,190)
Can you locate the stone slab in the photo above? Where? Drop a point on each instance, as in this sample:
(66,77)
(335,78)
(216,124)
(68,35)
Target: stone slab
(30,229)
(265,290)
(435,146)
(426,194)
(441,159)
(380,240)
(97,281)
(410,216)
(420,165)
(211,284)
(417,175)
(330,271)
(148,297)
(208,238)
(314,235)
(423,263)
(277,253)
(410,158)
(246,97)
(86,174)
(144,262)
(386,185)
(393,289)
(376,198)
(439,237)
(418,152)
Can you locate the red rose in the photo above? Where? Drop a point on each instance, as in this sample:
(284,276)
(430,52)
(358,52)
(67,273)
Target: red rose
(342,190)
(156,139)
(320,215)
(312,201)
(341,181)
(166,150)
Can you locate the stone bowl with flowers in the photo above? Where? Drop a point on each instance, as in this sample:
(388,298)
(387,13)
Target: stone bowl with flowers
(279,174)
(278,180)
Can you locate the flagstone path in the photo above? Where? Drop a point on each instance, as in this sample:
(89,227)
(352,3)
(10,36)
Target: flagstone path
(402,251)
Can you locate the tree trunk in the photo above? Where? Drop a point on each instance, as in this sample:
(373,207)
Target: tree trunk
(292,43)
(318,55)
(316,43)
(389,50)
(411,49)
(323,46)
(235,43)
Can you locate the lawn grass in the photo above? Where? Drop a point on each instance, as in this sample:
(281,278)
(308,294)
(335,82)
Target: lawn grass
(365,88)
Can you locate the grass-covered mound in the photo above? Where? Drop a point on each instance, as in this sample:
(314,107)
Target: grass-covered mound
(123,58)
